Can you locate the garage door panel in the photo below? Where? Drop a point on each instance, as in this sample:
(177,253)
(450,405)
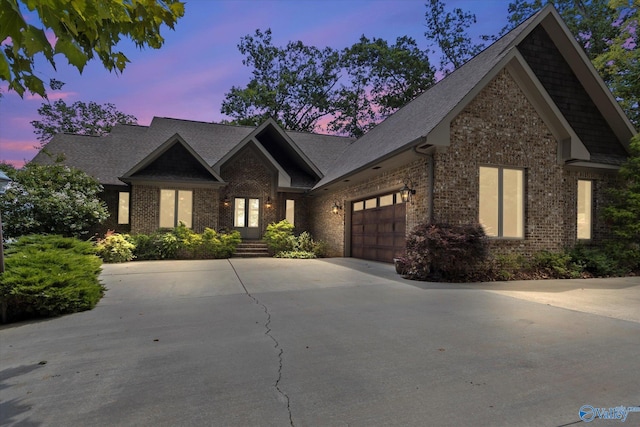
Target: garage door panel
(379,233)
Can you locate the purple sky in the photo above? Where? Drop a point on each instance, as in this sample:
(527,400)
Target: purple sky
(199,62)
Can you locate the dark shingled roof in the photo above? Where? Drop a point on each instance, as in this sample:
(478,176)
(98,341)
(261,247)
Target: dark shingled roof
(109,157)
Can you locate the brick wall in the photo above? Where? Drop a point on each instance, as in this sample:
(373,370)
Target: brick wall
(500,128)
(333,228)
(248,175)
(145,208)
(111,195)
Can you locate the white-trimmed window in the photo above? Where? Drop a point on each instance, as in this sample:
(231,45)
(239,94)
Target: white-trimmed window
(501,198)
(290,210)
(176,206)
(585,208)
(123,207)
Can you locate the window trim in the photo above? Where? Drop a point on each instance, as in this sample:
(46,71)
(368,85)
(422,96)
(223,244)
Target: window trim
(500,235)
(591,210)
(127,218)
(176,207)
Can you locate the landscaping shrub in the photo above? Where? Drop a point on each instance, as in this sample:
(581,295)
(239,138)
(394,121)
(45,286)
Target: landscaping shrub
(445,251)
(296,254)
(283,244)
(595,261)
(115,248)
(183,243)
(48,275)
(279,237)
(557,265)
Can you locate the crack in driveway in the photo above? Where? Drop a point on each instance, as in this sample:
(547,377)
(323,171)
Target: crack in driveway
(275,342)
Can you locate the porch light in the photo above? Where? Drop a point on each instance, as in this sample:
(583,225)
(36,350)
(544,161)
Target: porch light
(336,208)
(226,202)
(4,182)
(406,191)
(268,203)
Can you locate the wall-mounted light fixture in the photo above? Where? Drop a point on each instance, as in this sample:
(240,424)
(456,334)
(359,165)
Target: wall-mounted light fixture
(407,190)
(226,202)
(268,203)
(336,208)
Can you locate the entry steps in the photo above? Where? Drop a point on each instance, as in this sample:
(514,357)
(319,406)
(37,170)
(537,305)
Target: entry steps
(251,249)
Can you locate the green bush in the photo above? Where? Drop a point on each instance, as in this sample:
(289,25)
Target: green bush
(49,275)
(296,254)
(183,243)
(595,261)
(115,248)
(445,251)
(283,244)
(279,237)
(556,265)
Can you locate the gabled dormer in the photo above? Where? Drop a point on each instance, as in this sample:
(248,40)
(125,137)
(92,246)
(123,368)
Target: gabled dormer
(174,162)
(294,169)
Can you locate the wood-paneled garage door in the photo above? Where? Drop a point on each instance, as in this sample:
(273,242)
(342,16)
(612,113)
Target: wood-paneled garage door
(378,228)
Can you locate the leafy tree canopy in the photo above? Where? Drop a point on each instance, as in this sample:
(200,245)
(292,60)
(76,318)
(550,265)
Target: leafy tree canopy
(290,84)
(79,118)
(82,31)
(50,199)
(448,31)
(301,85)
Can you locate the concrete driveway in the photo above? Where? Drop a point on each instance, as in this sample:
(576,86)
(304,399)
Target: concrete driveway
(336,342)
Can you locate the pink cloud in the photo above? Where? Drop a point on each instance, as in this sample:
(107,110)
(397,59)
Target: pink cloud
(15,163)
(18,146)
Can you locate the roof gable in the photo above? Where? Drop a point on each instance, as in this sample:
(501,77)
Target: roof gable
(425,121)
(294,166)
(174,160)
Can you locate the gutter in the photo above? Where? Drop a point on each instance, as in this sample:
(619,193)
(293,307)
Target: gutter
(428,153)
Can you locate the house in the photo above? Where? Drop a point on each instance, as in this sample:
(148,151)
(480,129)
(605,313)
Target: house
(524,138)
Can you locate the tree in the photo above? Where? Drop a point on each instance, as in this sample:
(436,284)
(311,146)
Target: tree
(608,31)
(50,199)
(79,118)
(619,64)
(378,79)
(449,32)
(290,84)
(624,210)
(300,85)
(82,30)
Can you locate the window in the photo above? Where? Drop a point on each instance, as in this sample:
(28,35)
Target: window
(175,207)
(585,197)
(290,208)
(123,207)
(502,202)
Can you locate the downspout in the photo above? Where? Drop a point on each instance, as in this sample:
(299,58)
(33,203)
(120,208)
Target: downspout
(431,185)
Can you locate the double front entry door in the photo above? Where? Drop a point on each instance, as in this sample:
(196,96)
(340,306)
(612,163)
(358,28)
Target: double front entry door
(246,217)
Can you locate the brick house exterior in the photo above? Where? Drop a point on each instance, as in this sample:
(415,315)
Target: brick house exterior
(524,138)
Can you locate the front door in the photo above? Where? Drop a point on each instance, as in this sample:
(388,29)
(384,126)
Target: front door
(246,217)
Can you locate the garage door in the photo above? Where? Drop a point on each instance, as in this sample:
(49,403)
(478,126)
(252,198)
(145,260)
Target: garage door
(378,228)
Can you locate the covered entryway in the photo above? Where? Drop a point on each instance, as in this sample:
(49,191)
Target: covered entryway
(246,217)
(378,228)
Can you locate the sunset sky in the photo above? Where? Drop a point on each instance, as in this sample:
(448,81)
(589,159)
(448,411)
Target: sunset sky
(199,62)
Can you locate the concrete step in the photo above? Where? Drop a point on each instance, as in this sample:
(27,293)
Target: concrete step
(251,249)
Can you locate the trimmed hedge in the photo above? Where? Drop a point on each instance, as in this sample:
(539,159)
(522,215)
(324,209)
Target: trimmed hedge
(49,275)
